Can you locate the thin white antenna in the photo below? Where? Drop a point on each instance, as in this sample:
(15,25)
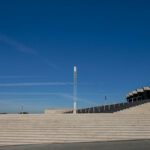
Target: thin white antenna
(75,91)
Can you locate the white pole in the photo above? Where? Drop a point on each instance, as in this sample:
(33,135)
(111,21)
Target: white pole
(75,91)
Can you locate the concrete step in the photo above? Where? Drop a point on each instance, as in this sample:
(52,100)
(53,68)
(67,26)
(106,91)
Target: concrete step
(72,135)
(38,129)
(73,138)
(99,129)
(10,142)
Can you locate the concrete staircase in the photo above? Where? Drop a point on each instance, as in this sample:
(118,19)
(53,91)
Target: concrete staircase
(18,129)
(139,109)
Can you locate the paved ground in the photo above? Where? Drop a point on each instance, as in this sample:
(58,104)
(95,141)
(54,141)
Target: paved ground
(125,145)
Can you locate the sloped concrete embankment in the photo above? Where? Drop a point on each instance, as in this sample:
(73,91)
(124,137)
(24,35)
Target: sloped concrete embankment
(69,128)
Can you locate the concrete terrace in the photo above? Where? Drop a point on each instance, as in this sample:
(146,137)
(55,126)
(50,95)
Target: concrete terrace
(21,129)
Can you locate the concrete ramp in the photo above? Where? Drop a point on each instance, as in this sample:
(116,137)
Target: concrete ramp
(139,109)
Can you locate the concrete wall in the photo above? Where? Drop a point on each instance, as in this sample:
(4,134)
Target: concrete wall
(56,111)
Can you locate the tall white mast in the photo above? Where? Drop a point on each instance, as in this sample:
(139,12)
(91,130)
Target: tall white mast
(75,91)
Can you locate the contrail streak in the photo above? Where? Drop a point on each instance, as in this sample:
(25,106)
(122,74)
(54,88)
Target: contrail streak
(20,47)
(12,77)
(29,93)
(36,84)
(78,99)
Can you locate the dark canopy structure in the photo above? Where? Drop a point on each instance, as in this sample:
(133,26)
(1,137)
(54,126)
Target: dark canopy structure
(139,95)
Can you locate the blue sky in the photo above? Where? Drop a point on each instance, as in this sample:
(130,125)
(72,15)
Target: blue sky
(41,41)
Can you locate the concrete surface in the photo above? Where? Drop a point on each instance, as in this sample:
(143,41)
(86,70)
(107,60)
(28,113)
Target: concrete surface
(122,145)
(18,129)
(56,111)
(140,109)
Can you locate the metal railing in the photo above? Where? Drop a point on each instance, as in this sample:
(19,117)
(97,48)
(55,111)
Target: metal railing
(111,108)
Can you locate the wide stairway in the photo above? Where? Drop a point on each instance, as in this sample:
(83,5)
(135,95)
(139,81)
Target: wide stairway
(18,129)
(138,109)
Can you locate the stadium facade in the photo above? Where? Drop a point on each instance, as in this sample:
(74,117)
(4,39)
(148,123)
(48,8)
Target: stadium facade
(139,95)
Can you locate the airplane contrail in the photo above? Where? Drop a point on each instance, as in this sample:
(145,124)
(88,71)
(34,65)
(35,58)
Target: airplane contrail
(22,48)
(12,77)
(36,84)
